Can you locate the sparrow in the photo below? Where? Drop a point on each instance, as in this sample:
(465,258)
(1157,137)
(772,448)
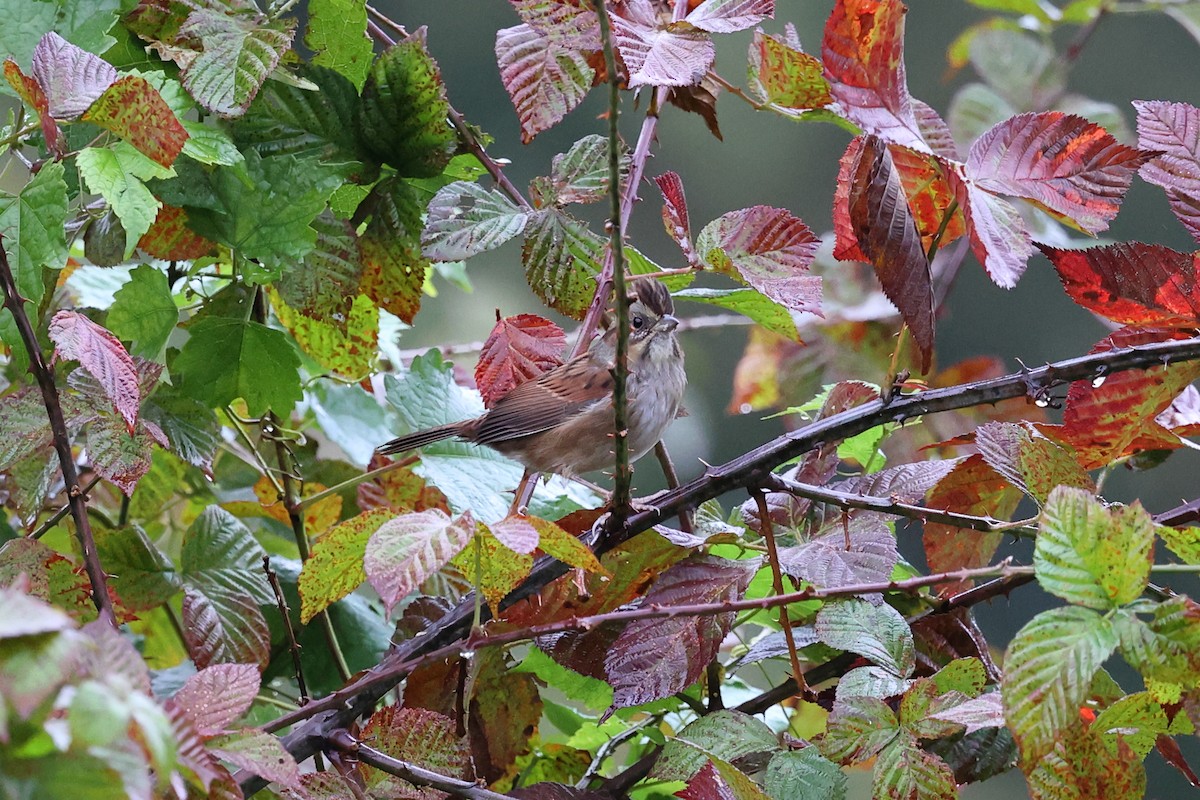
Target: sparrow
(563,420)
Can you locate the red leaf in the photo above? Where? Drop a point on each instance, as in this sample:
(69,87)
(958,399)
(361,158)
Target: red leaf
(170,239)
(518,348)
(71,77)
(1173,128)
(31,92)
(707,785)
(727,16)
(217,696)
(1105,416)
(769,249)
(887,234)
(656,55)
(545,78)
(675,213)
(77,338)
(134,110)
(972,487)
(1071,167)
(569,22)
(863,55)
(653,659)
(1130,282)
(845,246)
(999,238)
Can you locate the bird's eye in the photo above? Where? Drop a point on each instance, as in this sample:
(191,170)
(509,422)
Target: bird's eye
(638,322)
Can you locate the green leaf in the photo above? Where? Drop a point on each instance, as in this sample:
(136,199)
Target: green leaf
(393,267)
(1029,460)
(143,311)
(465,219)
(22,26)
(592,692)
(1184,543)
(260,753)
(191,427)
(220,555)
(580,175)
(879,633)
(1048,670)
(904,770)
(288,120)
(263,209)
(141,574)
(749,303)
(1165,650)
(226,359)
(116,174)
(402,118)
(335,568)
(31,223)
(857,729)
(325,288)
(725,734)
(238,52)
(472,478)
(337,35)
(1137,719)
(804,773)
(561,258)
(1091,555)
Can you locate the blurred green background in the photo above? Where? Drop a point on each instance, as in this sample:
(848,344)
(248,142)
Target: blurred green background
(766,159)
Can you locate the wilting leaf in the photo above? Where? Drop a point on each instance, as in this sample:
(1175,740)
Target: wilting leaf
(134,110)
(392,264)
(406,550)
(217,696)
(170,239)
(675,213)
(1029,460)
(887,235)
(1105,415)
(786,76)
(335,568)
(418,736)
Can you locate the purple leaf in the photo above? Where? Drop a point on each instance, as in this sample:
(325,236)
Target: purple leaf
(656,56)
(71,77)
(217,696)
(544,78)
(1173,128)
(727,16)
(77,338)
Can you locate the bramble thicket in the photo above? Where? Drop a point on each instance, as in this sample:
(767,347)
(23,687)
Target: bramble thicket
(221,220)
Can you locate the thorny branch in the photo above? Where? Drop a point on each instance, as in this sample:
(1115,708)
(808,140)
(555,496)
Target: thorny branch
(76,497)
(357,698)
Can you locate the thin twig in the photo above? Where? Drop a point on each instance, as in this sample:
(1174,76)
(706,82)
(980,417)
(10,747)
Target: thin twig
(62,511)
(668,468)
(886,505)
(293,645)
(768,534)
(419,776)
(62,442)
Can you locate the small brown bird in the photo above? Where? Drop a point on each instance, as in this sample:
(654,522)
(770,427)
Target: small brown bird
(562,421)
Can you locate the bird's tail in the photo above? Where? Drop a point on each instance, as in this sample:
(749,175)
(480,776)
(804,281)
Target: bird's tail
(412,441)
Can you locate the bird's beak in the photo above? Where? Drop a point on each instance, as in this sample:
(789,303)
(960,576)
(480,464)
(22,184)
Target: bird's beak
(668,322)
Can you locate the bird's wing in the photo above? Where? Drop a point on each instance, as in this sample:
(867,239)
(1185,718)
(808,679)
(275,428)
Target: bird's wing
(545,402)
